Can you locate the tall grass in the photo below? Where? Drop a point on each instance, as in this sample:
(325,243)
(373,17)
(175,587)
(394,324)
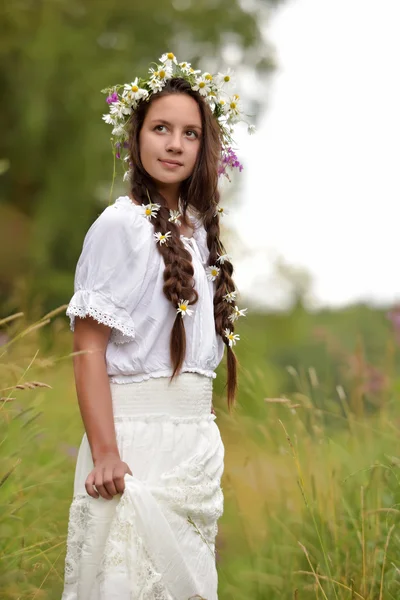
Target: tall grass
(311,481)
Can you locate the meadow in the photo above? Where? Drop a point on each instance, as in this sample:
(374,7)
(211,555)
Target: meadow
(311,481)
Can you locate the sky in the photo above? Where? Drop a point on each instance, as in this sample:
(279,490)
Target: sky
(320,187)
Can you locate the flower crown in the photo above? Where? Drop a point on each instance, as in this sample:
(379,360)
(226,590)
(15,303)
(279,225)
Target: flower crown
(226,108)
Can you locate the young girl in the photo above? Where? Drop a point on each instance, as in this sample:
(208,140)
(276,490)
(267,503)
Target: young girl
(152,313)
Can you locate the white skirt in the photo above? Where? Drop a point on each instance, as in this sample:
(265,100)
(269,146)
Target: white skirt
(156,541)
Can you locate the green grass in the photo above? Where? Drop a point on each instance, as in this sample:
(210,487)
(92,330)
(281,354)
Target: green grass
(311,481)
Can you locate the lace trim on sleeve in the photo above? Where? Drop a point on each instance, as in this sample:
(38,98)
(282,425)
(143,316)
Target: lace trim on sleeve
(85,303)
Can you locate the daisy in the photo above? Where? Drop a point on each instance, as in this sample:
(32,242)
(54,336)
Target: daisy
(119,109)
(202,86)
(232,337)
(221,211)
(233,108)
(168,58)
(162,237)
(156,85)
(223,257)
(230,296)
(174,218)
(133,92)
(119,131)
(185,66)
(163,72)
(109,120)
(183,308)
(225,78)
(237,313)
(150,210)
(212,272)
(127,175)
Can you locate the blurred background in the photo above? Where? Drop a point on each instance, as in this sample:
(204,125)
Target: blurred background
(311,481)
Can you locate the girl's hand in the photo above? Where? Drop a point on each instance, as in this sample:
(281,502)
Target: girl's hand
(108,477)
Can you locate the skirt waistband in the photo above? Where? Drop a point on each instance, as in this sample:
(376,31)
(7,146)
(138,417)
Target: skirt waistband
(188,395)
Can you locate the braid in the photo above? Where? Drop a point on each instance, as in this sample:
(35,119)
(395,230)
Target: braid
(225,284)
(178,272)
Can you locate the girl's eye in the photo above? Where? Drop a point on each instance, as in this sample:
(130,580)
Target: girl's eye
(157,126)
(195,134)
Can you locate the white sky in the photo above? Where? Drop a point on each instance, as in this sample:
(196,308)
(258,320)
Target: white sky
(321,183)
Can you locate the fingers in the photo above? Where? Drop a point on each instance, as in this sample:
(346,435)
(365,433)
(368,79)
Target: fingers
(119,479)
(104,483)
(107,482)
(89,486)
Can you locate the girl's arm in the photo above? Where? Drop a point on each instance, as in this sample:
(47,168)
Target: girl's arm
(95,403)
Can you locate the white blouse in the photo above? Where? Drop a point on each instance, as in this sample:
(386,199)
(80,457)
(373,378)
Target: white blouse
(119,282)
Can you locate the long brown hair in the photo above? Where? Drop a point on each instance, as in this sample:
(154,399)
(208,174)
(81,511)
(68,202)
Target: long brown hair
(200,191)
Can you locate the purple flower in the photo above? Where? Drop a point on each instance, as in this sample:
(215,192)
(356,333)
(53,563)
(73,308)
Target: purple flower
(118,144)
(118,155)
(229,159)
(112,98)
(126,144)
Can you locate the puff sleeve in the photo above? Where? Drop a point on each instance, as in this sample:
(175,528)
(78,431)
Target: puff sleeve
(109,273)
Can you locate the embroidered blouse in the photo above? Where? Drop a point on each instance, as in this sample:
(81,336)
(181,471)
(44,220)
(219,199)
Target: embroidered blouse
(119,282)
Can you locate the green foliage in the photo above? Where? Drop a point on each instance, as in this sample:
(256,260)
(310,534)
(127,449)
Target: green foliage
(311,480)
(55,57)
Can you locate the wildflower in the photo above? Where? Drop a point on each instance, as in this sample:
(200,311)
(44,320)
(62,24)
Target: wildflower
(212,272)
(150,210)
(183,308)
(223,257)
(229,159)
(162,237)
(168,58)
(251,129)
(230,296)
(232,337)
(221,211)
(237,313)
(202,86)
(112,98)
(174,218)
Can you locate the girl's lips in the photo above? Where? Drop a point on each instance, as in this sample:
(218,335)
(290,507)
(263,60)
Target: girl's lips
(170,165)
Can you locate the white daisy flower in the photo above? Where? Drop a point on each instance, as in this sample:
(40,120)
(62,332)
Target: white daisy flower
(202,86)
(174,218)
(212,272)
(168,58)
(251,129)
(162,237)
(237,313)
(221,211)
(150,210)
(230,296)
(223,257)
(109,120)
(133,93)
(183,308)
(225,78)
(119,110)
(207,77)
(120,131)
(185,66)
(233,109)
(156,85)
(232,337)
(162,73)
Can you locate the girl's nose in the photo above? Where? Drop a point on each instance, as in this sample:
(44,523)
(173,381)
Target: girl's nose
(175,142)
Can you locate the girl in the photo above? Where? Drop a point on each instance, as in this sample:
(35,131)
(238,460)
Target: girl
(147,491)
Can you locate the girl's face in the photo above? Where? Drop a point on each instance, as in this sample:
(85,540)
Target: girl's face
(171,131)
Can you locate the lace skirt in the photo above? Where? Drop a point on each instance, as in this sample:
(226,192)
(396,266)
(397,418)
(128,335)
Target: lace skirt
(156,541)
